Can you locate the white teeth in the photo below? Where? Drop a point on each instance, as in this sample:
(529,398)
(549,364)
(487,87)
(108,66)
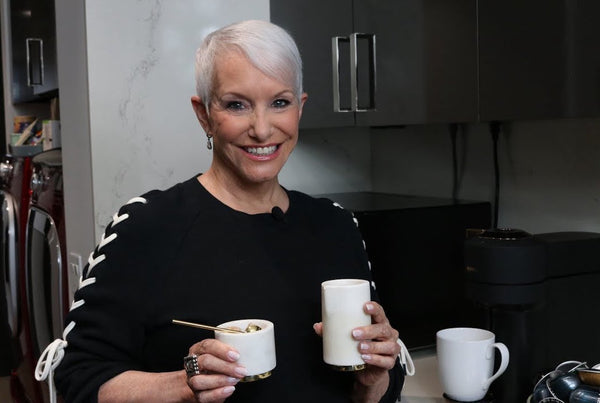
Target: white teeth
(261,150)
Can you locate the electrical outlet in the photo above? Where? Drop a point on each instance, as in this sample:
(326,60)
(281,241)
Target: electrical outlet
(75,267)
(74,273)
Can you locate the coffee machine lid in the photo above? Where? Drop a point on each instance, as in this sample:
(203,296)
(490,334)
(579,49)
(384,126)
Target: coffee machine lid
(505,256)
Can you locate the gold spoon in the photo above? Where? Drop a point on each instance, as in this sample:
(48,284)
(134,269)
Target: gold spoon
(207,327)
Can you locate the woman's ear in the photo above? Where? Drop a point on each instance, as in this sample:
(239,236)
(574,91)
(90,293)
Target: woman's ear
(303,99)
(201,113)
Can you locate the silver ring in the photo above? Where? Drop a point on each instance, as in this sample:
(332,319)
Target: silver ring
(190,364)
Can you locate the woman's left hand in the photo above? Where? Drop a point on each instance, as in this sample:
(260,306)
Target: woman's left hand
(378,345)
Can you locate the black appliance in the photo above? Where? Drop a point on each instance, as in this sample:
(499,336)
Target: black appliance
(415,245)
(538,294)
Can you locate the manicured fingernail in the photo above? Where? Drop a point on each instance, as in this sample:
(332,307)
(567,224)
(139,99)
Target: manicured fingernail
(232,380)
(370,307)
(357,333)
(241,371)
(228,390)
(364,346)
(233,355)
(366,357)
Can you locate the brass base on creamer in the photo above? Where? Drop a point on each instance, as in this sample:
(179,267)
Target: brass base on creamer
(252,378)
(348,368)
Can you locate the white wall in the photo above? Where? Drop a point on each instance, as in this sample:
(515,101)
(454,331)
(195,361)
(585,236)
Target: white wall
(75,127)
(550,170)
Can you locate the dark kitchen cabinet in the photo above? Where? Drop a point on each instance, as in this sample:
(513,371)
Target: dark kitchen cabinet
(425,59)
(538,59)
(33,32)
(521,59)
(582,80)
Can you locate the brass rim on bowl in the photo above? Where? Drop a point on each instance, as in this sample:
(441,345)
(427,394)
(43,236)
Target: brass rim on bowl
(349,368)
(252,378)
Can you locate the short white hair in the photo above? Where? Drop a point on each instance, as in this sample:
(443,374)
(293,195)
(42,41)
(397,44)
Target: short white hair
(267,46)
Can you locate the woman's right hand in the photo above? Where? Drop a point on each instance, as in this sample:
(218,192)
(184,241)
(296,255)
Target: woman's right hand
(219,372)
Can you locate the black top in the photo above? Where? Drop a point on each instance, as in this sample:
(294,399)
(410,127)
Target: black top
(182,254)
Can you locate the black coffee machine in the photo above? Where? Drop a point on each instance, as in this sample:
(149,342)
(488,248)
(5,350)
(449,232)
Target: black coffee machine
(539,295)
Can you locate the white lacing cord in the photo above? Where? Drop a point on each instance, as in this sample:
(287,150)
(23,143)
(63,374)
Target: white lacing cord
(406,359)
(138,199)
(50,359)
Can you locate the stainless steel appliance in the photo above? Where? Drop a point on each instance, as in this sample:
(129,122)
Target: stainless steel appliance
(15,174)
(9,271)
(538,294)
(45,264)
(40,250)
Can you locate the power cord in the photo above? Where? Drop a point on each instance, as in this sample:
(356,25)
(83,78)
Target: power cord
(495,128)
(453,128)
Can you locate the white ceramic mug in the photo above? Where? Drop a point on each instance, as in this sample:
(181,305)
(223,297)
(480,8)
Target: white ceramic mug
(466,361)
(257,349)
(342,309)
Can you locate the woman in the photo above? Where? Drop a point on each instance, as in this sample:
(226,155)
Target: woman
(228,244)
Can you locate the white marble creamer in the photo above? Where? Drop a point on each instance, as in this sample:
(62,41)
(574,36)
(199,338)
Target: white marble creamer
(342,309)
(256,349)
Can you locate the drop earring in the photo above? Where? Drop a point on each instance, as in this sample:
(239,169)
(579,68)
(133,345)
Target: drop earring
(208,141)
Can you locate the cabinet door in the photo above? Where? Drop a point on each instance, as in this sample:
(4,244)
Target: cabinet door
(582,39)
(313,24)
(33,50)
(521,59)
(426,58)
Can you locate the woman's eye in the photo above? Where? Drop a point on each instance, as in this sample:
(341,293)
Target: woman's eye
(281,103)
(235,105)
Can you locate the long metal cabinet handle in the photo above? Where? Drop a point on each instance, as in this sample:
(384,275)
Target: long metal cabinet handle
(335,63)
(335,56)
(35,57)
(354,72)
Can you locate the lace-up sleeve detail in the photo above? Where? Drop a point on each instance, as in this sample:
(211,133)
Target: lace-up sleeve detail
(404,357)
(355,220)
(98,289)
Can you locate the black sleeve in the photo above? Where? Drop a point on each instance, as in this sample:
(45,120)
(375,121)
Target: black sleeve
(397,374)
(107,315)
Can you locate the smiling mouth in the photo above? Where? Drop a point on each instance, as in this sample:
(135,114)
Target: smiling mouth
(261,151)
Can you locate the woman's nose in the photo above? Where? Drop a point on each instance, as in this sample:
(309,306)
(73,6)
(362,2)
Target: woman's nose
(260,125)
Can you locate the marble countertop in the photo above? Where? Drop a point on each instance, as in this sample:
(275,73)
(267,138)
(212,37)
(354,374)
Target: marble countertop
(424,386)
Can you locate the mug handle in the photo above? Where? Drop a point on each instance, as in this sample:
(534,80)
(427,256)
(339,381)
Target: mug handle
(503,362)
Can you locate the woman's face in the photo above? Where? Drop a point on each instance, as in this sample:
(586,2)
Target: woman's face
(253,120)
